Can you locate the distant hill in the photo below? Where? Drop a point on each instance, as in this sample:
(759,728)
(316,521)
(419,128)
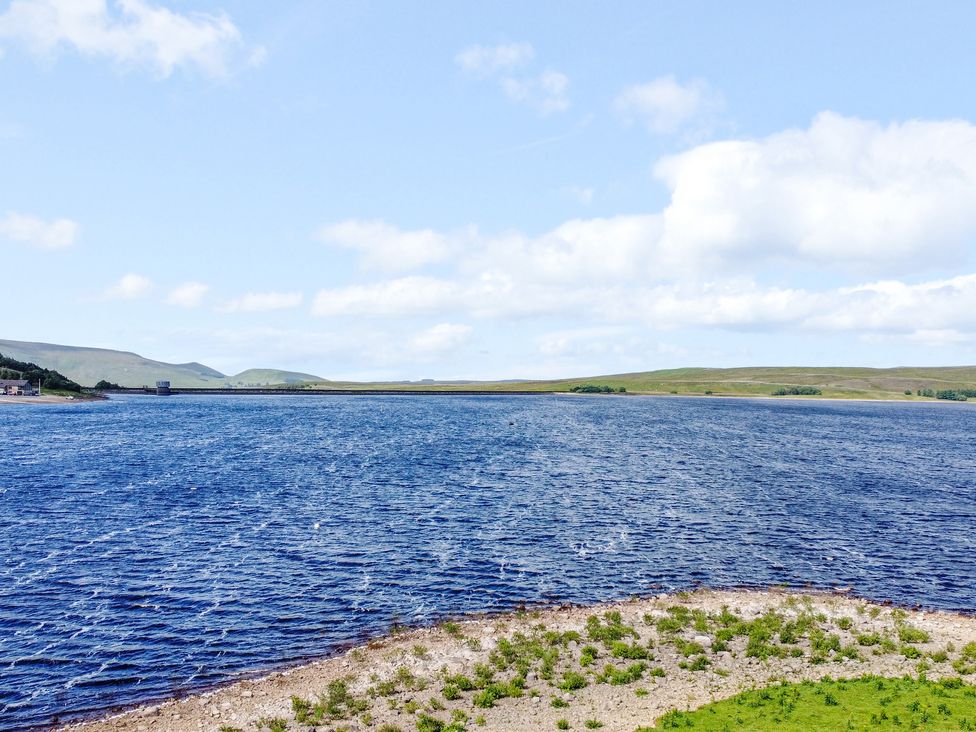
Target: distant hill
(88,366)
(837,383)
(264,377)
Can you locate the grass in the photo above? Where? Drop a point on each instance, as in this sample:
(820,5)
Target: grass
(835,383)
(867,703)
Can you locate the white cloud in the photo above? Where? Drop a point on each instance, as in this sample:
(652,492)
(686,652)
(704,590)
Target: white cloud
(36,232)
(843,196)
(188,295)
(404,296)
(582,195)
(260,302)
(441,338)
(844,191)
(665,105)
(878,307)
(385,247)
(129,287)
(488,60)
(130,32)
(839,202)
(546,92)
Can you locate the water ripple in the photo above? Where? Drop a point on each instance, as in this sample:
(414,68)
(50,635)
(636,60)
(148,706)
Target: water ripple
(151,546)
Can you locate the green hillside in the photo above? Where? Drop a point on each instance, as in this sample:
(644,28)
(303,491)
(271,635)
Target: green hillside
(88,366)
(841,382)
(269,377)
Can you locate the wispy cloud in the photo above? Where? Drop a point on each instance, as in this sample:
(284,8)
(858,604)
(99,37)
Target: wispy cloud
(130,33)
(547,92)
(129,287)
(666,106)
(260,302)
(506,64)
(385,247)
(441,338)
(35,232)
(188,295)
(488,60)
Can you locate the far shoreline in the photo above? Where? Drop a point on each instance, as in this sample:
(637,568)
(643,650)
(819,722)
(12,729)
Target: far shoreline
(193,391)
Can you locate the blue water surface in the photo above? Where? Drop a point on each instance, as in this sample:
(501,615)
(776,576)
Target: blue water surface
(152,545)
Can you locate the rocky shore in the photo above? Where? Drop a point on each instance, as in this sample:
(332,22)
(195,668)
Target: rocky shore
(617,667)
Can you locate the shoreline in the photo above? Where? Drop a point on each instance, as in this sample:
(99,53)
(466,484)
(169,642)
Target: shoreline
(474,392)
(397,678)
(50,399)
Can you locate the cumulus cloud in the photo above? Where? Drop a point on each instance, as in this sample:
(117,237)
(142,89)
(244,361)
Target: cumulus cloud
(841,201)
(488,60)
(129,287)
(129,32)
(260,302)
(385,247)
(844,196)
(441,337)
(188,295)
(843,191)
(35,232)
(666,105)
(546,92)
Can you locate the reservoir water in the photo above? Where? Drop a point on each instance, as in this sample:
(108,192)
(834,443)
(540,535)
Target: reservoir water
(150,545)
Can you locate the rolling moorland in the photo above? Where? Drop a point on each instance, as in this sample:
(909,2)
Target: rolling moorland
(833,383)
(88,366)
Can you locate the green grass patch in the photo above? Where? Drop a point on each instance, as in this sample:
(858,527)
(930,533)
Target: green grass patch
(867,703)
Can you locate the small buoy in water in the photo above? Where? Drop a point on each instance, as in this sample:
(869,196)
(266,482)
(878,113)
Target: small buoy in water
(510,424)
(316,526)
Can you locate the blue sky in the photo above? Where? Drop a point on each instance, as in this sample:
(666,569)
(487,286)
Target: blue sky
(460,190)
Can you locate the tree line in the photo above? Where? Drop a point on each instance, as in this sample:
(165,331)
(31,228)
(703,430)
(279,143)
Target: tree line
(596,389)
(49,379)
(952,395)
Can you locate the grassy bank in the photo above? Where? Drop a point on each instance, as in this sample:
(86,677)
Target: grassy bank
(833,383)
(637,665)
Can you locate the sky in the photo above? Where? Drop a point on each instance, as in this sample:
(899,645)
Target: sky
(407,190)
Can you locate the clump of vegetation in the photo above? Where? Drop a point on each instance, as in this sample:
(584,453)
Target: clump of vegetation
(272,724)
(572,681)
(104,385)
(869,702)
(620,677)
(911,634)
(797,391)
(452,629)
(610,630)
(596,389)
(335,703)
